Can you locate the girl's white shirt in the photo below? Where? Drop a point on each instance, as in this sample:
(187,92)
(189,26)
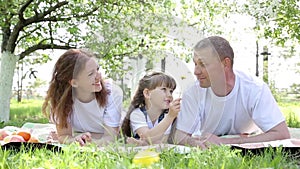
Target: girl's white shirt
(90,117)
(138,120)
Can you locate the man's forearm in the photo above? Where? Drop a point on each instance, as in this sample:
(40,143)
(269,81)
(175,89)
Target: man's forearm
(278,132)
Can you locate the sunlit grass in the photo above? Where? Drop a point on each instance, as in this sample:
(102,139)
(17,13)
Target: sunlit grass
(30,111)
(74,156)
(25,111)
(291,111)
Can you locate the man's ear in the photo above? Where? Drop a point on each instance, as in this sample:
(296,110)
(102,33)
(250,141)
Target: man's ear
(73,83)
(227,62)
(146,93)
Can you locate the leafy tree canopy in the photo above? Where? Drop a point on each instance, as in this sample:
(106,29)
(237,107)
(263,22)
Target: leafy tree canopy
(278,20)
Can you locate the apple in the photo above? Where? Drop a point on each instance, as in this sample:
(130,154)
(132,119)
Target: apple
(4,133)
(13,138)
(25,134)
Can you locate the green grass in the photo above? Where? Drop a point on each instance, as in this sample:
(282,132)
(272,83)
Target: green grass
(30,111)
(25,111)
(74,157)
(215,157)
(291,111)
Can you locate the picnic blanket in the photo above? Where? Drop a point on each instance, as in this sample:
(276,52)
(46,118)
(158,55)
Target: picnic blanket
(39,130)
(44,133)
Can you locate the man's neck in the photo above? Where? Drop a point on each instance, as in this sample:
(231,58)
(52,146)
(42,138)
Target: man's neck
(224,89)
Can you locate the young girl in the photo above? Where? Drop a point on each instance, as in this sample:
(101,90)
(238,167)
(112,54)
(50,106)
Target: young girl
(152,110)
(83,106)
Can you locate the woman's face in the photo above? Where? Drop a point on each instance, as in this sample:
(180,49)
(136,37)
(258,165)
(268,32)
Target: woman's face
(89,79)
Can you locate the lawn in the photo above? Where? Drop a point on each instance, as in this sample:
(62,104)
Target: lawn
(73,156)
(30,111)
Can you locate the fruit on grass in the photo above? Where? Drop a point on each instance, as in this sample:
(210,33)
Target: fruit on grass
(4,133)
(146,158)
(33,139)
(25,134)
(13,138)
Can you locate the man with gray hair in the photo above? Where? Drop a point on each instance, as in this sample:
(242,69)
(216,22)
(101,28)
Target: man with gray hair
(224,101)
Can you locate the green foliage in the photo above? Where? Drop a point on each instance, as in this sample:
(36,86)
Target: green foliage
(150,29)
(278,20)
(126,32)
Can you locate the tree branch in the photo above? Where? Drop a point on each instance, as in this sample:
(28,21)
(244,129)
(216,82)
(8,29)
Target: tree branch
(87,13)
(21,24)
(42,18)
(41,46)
(28,33)
(22,9)
(39,17)
(125,54)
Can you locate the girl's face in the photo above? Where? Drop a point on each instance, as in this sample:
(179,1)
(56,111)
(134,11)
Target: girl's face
(89,79)
(161,97)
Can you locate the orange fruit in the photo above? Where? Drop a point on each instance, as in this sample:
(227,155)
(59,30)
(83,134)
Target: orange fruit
(25,134)
(33,139)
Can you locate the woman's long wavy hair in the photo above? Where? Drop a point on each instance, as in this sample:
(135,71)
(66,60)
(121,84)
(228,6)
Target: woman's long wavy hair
(150,82)
(59,99)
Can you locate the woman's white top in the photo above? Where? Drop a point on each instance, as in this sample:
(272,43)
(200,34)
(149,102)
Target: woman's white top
(91,117)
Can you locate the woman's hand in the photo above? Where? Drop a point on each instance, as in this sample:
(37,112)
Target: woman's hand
(83,138)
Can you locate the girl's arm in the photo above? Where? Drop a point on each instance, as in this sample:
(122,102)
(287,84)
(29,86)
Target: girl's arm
(156,134)
(65,136)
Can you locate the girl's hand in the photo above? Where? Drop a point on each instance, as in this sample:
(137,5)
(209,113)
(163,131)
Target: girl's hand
(174,108)
(140,142)
(83,138)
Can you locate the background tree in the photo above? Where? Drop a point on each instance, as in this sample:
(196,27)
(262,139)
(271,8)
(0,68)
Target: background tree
(25,70)
(31,25)
(276,20)
(114,29)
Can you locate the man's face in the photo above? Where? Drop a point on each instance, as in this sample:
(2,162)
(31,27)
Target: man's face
(208,67)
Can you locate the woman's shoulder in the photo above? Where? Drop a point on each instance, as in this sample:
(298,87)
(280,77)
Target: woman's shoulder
(108,83)
(113,88)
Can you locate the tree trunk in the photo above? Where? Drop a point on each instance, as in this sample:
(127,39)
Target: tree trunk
(8,64)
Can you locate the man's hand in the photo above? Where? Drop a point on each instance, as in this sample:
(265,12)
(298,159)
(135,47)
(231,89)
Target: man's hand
(210,139)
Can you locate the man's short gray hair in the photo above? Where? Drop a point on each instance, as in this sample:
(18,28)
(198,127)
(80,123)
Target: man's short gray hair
(218,44)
